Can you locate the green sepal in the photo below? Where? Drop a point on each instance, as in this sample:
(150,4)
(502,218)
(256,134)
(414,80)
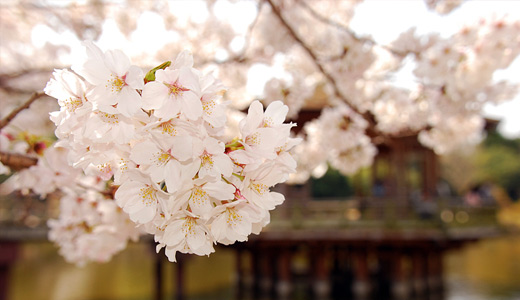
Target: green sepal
(150,76)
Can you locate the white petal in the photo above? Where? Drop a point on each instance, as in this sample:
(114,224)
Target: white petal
(182,147)
(253,120)
(154,95)
(184,59)
(117,62)
(220,190)
(129,102)
(135,78)
(191,105)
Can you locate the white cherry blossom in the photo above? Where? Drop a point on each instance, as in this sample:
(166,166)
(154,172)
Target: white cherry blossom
(141,198)
(115,80)
(174,91)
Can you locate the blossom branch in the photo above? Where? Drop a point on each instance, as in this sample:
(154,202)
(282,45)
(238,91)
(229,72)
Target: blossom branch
(367,116)
(351,33)
(17,161)
(241,57)
(15,112)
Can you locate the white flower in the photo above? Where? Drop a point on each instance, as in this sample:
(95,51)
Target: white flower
(203,196)
(233,221)
(186,233)
(141,198)
(174,91)
(214,113)
(261,134)
(90,228)
(256,186)
(212,159)
(115,80)
(168,162)
(109,126)
(68,89)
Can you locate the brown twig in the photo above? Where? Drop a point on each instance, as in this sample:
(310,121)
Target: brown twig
(15,112)
(17,161)
(351,33)
(240,57)
(367,116)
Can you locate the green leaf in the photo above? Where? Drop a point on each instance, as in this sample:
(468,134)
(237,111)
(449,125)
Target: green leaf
(150,76)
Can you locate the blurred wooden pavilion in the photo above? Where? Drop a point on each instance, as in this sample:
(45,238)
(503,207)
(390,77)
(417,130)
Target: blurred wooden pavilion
(384,242)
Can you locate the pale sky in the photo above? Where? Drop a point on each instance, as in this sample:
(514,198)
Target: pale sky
(386,19)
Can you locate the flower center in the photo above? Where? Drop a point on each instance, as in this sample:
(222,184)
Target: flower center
(207,159)
(233,217)
(72,104)
(260,188)
(108,118)
(168,128)
(162,158)
(105,168)
(188,225)
(253,139)
(116,83)
(176,89)
(268,122)
(199,196)
(208,107)
(148,195)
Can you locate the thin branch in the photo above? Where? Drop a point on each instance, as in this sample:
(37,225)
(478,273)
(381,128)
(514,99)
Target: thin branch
(109,192)
(17,161)
(249,32)
(333,23)
(351,33)
(15,112)
(367,116)
(241,57)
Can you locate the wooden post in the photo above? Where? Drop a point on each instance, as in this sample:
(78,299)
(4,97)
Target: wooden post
(255,270)
(158,288)
(400,284)
(239,280)
(321,283)
(400,170)
(435,271)
(419,260)
(179,292)
(361,286)
(266,271)
(8,255)
(284,286)
(430,174)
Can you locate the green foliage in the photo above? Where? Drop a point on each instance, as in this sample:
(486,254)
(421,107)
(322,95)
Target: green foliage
(331,185)
(498,161)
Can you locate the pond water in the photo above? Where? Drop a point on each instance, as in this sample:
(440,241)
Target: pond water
(485,270)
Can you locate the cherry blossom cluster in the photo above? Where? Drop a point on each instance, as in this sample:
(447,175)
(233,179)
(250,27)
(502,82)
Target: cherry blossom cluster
(158,138)
(336,138)
(457,80)
(90,226)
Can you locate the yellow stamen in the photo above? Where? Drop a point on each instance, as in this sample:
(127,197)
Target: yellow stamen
(148,195)
(72,104)
(176,89)
(206,159)
(116,83)
(233,217)
(108,118)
